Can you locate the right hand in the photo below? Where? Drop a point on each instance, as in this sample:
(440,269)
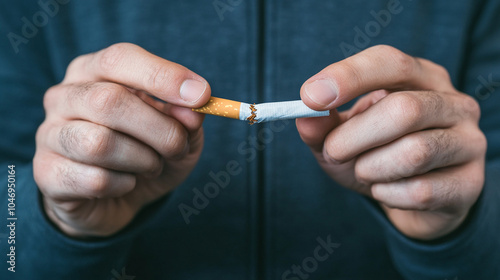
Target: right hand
(106,148)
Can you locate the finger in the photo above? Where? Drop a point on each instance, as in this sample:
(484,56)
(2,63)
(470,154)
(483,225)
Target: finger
(366,102)
(134,67)
(392,117)
(192,121)
(442,189)
(314,130)
(112,106)
(63,179)
(379,67)
(93,144)
(420,152)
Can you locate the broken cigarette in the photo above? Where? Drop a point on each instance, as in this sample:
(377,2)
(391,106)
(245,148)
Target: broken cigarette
(257,113)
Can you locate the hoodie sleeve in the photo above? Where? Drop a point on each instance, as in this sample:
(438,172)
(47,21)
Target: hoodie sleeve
(29,244)
(471,251)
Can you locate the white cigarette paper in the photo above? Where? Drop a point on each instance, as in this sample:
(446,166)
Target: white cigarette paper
(257,113)
(274,111)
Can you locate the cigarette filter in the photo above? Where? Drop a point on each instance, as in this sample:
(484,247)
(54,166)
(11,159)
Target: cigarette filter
(257,113)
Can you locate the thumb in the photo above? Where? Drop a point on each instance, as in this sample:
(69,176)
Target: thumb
(313,131)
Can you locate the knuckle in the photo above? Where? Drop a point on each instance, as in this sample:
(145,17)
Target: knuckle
(95,142)
(476,182)
(382,48)
(442,73)
(175,141)
(68,177)
(75,67)
(421,152)
(403,63)
(106,99)
(350,72)
(109,58)
(423,195)
(41,133)
(51,98)
(160,77)
(406,109)
(89,182)
(97,183)
(67,138)
(88,142)
(41,170)
(83,89)
(480,142)
(471,106)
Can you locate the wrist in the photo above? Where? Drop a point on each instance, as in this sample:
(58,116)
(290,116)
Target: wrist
(56,220)
(425,225)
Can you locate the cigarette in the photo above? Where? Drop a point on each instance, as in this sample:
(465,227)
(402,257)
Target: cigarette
(257,113)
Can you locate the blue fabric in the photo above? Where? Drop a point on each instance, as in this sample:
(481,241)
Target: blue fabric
(280,206)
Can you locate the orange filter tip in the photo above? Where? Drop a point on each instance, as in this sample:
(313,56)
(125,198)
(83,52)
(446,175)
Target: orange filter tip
(221,107)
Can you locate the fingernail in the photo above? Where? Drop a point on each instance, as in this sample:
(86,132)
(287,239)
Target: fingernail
(192,90)
(322,92)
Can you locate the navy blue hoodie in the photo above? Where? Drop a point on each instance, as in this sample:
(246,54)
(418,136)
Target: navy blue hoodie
(276,215)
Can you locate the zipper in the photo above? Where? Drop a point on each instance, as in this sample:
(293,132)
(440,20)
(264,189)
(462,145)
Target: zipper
(260,160)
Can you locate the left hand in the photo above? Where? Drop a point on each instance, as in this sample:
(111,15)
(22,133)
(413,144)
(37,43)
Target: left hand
(412,143)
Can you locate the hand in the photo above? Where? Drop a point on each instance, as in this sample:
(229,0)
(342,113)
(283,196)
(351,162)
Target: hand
(106,148)
(413,143)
